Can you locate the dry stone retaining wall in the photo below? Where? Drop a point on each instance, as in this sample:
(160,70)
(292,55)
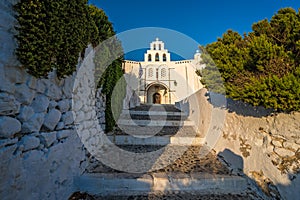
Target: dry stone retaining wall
(267,144)
(49,128)
(40,149)
(100,107)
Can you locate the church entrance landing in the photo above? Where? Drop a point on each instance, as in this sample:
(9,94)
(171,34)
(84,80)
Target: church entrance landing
(157,94)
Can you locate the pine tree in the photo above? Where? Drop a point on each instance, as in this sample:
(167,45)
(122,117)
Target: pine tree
(261,68)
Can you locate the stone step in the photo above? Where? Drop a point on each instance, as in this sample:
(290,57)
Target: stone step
(153,117)
(156,107)
(141,131)
(154,122)
(161,113)
(134,184)
(156,140)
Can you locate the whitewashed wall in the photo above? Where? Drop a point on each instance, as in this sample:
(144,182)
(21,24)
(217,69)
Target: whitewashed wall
(267,145)
(40,148)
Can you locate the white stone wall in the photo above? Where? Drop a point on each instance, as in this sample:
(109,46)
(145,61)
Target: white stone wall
(100,107)
(268,144)
(131,99)
(40,148)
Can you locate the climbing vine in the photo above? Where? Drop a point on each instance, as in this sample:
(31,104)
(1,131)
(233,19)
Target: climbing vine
(108,69)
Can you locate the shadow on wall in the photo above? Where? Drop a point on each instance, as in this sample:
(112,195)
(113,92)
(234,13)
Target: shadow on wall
(131,99)
(272,139)
(235,163)
(292,189)
(184,106)
(222,102)
(239,107)
(232,160)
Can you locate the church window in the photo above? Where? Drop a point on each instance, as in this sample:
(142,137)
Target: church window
(163,72)
(149,57)
(150,72)
(154,46)
(159,47)
(156,73)
(164,57)
(156,57)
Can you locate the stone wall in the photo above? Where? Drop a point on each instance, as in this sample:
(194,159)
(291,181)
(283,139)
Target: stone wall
(269,146)
(41,149)
(100,107)
(268,143)
(131,99)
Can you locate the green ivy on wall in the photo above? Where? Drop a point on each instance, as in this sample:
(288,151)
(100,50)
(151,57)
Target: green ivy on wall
(52,34)
(108,69)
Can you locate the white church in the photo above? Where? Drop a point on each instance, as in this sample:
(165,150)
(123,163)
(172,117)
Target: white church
(161,80)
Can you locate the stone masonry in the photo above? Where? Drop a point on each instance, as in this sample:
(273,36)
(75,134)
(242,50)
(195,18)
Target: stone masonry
(40,150)
(267,143)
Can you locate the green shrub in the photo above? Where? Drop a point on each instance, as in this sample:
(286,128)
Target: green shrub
(108,66)
(261,68)
(52,34)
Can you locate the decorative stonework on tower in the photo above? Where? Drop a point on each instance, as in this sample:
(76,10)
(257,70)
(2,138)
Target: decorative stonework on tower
(161,80)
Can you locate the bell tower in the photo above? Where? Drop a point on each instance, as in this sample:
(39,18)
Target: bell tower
(157,52)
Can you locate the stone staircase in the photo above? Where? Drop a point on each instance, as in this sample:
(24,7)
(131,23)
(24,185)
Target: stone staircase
(155,125)
(182,167)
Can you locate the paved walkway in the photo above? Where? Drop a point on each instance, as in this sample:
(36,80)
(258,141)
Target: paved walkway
(190,161)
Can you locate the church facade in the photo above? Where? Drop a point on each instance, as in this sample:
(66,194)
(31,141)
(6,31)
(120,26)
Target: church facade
(161,80)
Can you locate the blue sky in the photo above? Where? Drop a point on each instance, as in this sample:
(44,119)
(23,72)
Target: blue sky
(203,21)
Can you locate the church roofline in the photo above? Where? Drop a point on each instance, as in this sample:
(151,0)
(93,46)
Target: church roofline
(159,62)
(132,61)
(158,54)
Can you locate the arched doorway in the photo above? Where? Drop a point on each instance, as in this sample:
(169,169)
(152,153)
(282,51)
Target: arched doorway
(156,98)
(157,93)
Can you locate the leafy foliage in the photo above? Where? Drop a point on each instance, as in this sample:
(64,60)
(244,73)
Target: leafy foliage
(108,66)
(262,67)
(52,33)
